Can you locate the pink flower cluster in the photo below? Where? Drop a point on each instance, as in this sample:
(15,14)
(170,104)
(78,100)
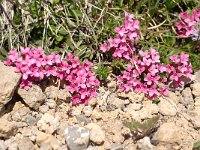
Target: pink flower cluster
(178,69)
(188,26)
(122,45)
(145,73)
(36,66)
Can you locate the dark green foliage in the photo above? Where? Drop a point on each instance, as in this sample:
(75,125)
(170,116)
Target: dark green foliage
(82,27)
(196,145)
(142,129)
(102,72)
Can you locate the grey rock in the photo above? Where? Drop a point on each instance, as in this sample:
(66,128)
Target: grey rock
(77,137)
(8,82)
(144,144)
(31,121)
(33,97)
(82,118)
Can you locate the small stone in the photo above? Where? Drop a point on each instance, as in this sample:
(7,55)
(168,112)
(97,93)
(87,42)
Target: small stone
(96,114)
(135,97)
(12,144)
(187,99)
(19,112)
(2,145)
(115,102)
(29,132)
(63,95)
(167,107)
(51,103)
(134,107)
(26,144)
(33,97)
(96,133)
(87,110)
(8,83)
(48,139)
(45,147)
(196,89)
(197,102)
(7,128)
(77,137)
(48,123)
(112,85)
(51,92)
(31,121)
(43,108)
(82,118)
(116,146)
(144,144)
(148,111)
(126,102)
(92,101)
(76,110)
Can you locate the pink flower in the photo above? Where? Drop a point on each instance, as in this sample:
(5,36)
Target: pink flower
(105,47)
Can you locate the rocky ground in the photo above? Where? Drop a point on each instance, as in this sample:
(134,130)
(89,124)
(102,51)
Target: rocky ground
(41,118)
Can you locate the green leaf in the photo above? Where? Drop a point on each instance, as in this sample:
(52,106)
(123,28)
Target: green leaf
(59,38)
(102,72)
(56,1)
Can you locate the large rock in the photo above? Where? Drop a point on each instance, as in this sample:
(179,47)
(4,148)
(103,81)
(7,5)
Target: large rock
(25,143)
(196,89)
(97,135)
(168,133)
(167,107)
(7,128)
(33,97)
(77,138)
(187,99)
(197,76)
(194,117)
(9,80)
